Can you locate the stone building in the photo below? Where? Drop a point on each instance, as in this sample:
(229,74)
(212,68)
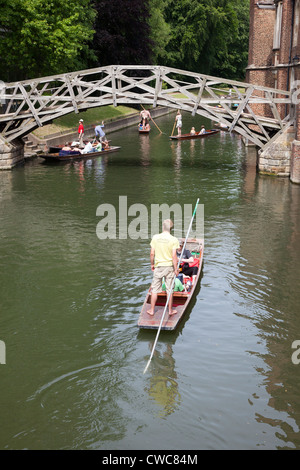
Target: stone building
(274,61)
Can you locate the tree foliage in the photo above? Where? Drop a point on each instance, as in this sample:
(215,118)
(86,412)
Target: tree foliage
(44,37)
(122,32)
(160,31)
(205,35)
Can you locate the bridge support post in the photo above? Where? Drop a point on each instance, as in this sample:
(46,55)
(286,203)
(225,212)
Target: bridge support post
(11,154)
(295,162)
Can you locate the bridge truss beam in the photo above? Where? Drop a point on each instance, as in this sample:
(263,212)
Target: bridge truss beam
(256,116)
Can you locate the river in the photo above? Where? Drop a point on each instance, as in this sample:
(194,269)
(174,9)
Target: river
(227,378)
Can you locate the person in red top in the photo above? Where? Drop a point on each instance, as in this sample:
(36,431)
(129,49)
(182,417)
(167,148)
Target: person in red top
(80,133)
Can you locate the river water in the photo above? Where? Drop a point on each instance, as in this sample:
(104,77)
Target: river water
(73,378)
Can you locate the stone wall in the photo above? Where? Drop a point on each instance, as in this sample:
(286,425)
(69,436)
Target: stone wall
(10,154)
(258,72)
(276,159)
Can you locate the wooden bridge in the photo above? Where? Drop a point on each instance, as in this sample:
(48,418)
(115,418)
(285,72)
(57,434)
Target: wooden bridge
(255,112)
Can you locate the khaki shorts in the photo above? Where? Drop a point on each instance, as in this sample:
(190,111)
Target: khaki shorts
(162,271)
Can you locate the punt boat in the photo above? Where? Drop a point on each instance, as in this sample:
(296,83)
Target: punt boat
(58,157)
(181,300)
(197,135)
(146,130)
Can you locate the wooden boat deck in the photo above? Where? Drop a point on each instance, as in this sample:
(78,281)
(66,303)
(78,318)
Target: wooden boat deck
(181,300)
(144,131)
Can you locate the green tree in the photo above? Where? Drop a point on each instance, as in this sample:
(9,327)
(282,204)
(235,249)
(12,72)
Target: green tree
(160,31)
(44,37)
(233,64)
(207,36)
(122,32)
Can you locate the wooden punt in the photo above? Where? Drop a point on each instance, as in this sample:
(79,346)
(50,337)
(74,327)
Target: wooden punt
(57,148)
(144,131)
(55,157)
(194,136)
(181,300)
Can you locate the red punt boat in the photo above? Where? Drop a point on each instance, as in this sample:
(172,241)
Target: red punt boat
(181,300)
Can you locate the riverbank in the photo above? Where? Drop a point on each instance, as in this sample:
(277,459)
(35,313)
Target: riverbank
(39,140)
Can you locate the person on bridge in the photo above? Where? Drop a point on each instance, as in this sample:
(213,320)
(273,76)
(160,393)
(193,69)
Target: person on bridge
(99,132)
(81,133)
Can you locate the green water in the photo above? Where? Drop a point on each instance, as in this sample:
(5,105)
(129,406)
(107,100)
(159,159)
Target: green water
(69,304)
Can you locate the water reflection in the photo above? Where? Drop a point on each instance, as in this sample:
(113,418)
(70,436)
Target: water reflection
(144,142)
(163,386)
(268,262)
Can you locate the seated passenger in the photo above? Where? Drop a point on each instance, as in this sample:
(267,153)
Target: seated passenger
(178,286)
(75,148)
(186,260)
(202,130)
(192,131)
(105,145)
(87,148)
(97,146)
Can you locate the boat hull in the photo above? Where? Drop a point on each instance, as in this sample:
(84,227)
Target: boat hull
(55,157)
(145,131)
(195,136)
(181,300)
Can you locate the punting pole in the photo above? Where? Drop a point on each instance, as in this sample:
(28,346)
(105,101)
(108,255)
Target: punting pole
(173,127)
(173,282)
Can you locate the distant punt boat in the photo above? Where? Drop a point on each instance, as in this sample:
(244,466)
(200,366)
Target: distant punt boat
(56,157)
(195,136)
(146,130)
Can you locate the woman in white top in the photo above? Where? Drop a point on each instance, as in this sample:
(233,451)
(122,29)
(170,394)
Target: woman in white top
(179,122)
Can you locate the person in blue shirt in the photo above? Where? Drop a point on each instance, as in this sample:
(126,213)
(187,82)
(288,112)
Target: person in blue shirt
(99,132)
